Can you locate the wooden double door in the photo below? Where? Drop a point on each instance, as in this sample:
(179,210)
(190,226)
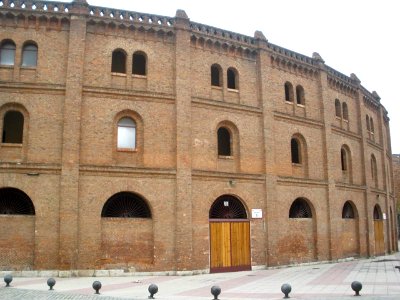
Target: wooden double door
(230,246)
(379,237)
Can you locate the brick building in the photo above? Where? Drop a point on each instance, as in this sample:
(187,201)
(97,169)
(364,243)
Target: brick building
(396,174)
(145,142)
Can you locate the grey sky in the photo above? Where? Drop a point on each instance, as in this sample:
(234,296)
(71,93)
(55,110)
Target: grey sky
(352,36)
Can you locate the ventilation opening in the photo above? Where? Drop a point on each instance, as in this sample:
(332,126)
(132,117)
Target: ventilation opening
(227,207)
(126,205)
(348,211)
(300,209)
(15,202)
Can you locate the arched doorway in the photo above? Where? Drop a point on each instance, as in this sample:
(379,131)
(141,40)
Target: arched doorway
(127,232)
(229,236)
(17,230)
(378,231)
(350,241)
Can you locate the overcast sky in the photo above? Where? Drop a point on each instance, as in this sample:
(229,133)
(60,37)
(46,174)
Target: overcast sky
(352,36)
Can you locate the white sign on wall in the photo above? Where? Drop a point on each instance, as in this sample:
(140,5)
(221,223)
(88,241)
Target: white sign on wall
(384,216)
(256,213)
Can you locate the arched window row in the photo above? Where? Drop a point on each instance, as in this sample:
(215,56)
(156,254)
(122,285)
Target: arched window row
(119,61)
(232,77)
(341,110)
(29,53)
(370,126)
(290,95)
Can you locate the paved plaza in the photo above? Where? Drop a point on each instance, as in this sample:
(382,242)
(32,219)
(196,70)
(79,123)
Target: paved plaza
(379,277)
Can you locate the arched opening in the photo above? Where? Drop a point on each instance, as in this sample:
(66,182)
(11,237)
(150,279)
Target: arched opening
(345,111)
(17,225)
(126,134)
(289,92)
(29,55)
(338,111)
(343,159)
(300,209)
(232,78)
(299,237)
(379,230)
(118,64)
(216,75)
(350,237)
(295,151)
(224,142)
(7,53)
(13,127)
(139,63)
(300,97)
(126,205)
(229,235)
(374,171)
(127,232)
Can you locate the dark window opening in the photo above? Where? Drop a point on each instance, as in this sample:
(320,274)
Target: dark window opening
(300,95)
(343,159)
(13,127)
(348,211)
(215,76)
(377,213)
(288,92)
(224,142)
(338,111)
(118,64)
(227,207)
(126,205)
(368,124)
(15,202)
(295,149)
(231,79)
(300,209)
(139,64)
(345,111)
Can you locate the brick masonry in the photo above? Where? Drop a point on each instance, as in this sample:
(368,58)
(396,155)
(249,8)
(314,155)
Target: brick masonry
(72,102)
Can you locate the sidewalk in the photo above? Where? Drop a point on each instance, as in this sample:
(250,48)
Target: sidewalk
(379,277)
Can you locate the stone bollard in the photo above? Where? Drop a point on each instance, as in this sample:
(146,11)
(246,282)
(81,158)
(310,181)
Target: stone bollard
(7,279)
(356,286)
(51,282)
(96,286)
(153,289)
(215,291)
(286,288)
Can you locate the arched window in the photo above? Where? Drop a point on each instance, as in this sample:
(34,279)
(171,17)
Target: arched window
(345,111)
(372,125)
(295,150)
(29,55)
(224,142)
(126,205)
(139,63)
(300,209)
(338,111)
(232,79)
(118,64)
(377,213)
(216,79)
(13,127)
(15,202)
(126,134)
(348,211)
(288,91)
(227,207)
(368,124)
(374,172)
(7,53)
(343,159)
(300,95)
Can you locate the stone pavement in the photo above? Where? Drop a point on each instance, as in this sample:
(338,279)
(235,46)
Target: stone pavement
(328,281)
